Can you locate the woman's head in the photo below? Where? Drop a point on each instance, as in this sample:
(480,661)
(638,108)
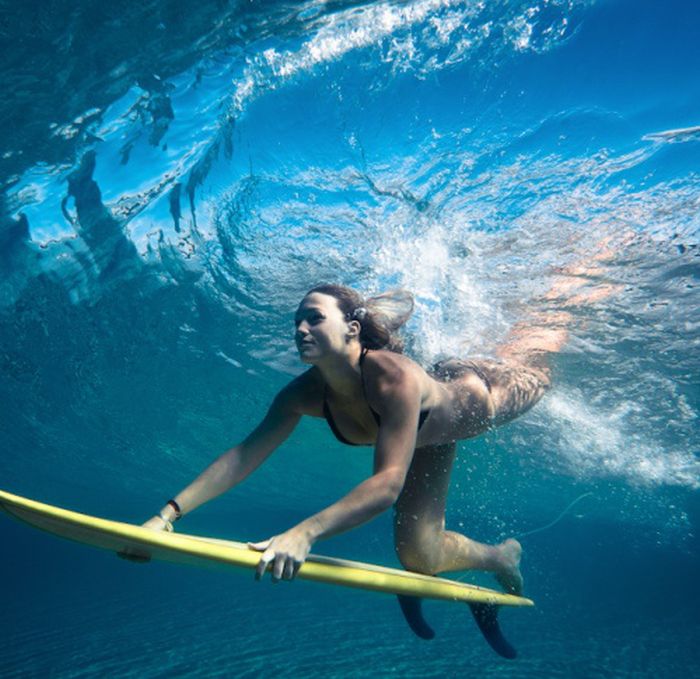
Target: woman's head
(375,318)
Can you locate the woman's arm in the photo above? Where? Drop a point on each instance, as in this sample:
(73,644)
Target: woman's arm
(238,462)
(396,442)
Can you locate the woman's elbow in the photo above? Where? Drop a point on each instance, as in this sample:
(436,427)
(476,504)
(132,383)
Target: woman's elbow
(224,469)
(392,485)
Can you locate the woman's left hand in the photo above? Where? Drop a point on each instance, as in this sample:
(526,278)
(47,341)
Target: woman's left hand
(287,552)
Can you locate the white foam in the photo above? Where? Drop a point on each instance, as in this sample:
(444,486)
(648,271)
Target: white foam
(599,441)
(384,25)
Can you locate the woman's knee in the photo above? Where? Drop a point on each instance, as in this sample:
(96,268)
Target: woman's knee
(420,550)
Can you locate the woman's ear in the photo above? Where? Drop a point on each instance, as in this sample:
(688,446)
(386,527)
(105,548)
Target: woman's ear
(354,329)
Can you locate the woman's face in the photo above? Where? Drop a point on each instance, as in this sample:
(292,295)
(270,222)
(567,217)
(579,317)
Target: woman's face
(321,328)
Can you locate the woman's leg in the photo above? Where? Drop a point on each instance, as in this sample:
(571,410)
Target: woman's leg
(523,374)
(515,383)
(422,543)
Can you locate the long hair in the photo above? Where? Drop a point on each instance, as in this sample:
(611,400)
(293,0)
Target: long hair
(379,316)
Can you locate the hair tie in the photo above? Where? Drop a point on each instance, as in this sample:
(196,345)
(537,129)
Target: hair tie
(176,508)
(359,314)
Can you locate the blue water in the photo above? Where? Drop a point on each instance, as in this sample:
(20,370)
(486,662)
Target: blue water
(175,176)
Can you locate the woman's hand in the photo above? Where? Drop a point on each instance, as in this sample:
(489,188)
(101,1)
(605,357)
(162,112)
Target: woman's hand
(159,523)
(287,552)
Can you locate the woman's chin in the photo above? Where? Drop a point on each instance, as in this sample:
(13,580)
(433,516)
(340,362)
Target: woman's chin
(306,356)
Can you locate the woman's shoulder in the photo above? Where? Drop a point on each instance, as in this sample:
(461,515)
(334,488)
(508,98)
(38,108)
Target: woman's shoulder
(386,369)
(304,393)
(388,360)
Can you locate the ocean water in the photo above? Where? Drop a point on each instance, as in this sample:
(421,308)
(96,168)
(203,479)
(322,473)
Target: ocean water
(174,176)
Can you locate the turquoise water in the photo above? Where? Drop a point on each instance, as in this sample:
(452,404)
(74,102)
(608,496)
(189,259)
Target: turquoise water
(175,177)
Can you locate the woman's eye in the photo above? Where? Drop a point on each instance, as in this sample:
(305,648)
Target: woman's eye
(312,320)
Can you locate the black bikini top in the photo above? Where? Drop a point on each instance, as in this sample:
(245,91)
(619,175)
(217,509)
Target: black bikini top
(377,418)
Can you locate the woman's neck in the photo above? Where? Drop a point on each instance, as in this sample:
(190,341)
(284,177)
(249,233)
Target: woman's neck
(343,373)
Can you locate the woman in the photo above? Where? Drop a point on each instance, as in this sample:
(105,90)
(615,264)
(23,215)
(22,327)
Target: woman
(371,394)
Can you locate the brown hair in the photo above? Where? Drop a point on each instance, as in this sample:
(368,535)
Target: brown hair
(379,317)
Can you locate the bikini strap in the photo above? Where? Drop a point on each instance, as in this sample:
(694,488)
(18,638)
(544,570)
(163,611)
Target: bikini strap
(375,414)
(363,353)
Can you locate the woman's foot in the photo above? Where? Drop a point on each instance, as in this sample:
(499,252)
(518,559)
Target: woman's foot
(508,575)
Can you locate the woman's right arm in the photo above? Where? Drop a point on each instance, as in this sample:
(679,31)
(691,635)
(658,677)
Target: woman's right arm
(238,462)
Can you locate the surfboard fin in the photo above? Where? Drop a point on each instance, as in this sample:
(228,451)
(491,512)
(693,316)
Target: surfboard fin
(135,555)
(412,609)
(486,617)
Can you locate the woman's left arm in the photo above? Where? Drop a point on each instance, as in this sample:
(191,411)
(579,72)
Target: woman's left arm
(396,441)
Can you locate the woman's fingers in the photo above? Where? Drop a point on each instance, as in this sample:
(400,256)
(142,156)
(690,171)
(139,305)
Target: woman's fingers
(158,523)
(283,554)
(260,546)
(265,559)
(268,555)
(284,567)
(278,567)
(290,569)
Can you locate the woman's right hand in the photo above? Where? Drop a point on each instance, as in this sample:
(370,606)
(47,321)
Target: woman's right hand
(159,523)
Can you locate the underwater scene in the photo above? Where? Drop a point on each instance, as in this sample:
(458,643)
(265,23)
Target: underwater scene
(175,176)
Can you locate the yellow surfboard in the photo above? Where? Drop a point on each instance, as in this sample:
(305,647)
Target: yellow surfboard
(143,544)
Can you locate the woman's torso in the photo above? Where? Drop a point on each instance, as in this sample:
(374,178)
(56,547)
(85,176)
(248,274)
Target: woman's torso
(453,405)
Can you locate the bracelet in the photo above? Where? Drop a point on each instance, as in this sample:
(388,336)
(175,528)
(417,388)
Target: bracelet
(176,507)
